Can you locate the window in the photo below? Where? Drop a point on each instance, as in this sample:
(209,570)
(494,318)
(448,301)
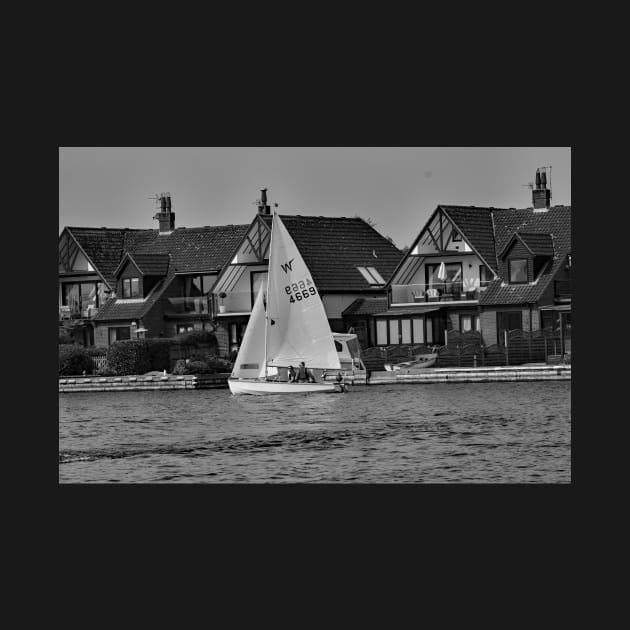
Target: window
(418,330)
(183,329)
(485,277)
(393,331)
(381,332)
(405,330)
(466,323)
(518,271)
(550,321)
(131,288)
(508,320)
(456,236)
(257,279)
(119,333)
(372,276)
(83,297)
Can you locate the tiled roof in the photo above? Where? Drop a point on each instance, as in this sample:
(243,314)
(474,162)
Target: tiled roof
(191,249)
(366,306)
(104,247)
(556,222)
(196,249)
(151,264)
(333,248)
(539,244)
(476,225)
(120,309)
(412,310)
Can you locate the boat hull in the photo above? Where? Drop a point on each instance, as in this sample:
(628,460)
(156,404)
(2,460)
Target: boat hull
(423,361)
(260,388)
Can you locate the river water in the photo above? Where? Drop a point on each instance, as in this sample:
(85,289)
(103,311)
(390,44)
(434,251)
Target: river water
(442,433)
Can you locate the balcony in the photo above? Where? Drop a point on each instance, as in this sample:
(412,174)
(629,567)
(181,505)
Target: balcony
(189,306)
(436,292)
(234,303)
(562,290)
(75,312)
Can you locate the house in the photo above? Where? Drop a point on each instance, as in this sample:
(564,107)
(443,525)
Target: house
(477,268)
(127,283)
(347,257)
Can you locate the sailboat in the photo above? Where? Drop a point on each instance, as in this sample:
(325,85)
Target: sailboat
(287,325)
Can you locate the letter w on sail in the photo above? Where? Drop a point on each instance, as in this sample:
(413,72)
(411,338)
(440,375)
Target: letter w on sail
(287,266)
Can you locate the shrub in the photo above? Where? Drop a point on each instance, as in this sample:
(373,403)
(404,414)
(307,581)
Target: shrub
(197,367)
(105,371)
(180,367)
(217,364)
(65,337)
(159,351)
(129,357)
(196,338)
(74,360)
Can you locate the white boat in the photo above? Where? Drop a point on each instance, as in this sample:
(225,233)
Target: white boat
(286,327)
(420,362)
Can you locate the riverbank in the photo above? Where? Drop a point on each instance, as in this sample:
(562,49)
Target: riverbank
(541,372)
(140,383)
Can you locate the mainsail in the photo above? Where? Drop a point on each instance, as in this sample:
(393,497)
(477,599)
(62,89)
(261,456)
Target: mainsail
(250,362)
(297,326)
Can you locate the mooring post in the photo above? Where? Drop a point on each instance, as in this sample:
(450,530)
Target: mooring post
(507,356)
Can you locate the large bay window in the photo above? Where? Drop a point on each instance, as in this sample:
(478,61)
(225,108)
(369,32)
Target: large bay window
(399,331)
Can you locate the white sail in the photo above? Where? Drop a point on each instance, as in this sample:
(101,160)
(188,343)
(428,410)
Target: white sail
(250,361)
(297,327)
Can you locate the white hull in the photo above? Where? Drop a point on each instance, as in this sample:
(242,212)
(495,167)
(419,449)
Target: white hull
(425,361)
(260,387)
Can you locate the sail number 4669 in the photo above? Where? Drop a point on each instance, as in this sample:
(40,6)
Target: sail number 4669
(300,290)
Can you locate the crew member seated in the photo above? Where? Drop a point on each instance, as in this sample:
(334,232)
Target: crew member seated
(304,375)
(292,374)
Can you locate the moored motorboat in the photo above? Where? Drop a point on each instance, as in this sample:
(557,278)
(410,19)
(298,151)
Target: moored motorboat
(421,361)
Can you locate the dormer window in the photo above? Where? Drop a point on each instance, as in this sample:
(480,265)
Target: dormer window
(518,271)
(372,276)
(131,288)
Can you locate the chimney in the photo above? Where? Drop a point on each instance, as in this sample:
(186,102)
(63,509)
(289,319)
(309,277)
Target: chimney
(541,195)
(263,208)
(165,216)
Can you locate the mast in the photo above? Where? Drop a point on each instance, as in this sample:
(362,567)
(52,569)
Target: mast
(267,292)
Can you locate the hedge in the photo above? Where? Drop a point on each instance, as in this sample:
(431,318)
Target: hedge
(159,353)
(196,338)
(129,357)
(74,360)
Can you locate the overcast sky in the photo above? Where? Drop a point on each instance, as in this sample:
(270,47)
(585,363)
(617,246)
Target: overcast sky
(396,187)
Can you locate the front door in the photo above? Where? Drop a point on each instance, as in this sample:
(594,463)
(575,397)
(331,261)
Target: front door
(436,325)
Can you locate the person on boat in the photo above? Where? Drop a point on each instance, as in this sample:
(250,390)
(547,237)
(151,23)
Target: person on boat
(304,375)
(292,374)
(342,386)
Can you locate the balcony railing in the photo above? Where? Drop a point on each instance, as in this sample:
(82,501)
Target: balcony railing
(436,292)
(76,312)
(233,302)
(190,305)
